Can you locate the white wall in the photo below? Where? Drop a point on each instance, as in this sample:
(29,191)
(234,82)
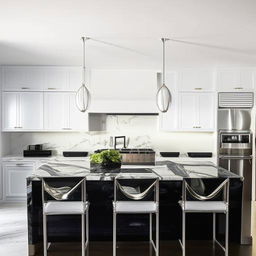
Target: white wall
(141,131)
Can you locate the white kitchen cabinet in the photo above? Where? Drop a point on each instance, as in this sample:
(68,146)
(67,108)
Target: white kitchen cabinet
(31,111)
(196,80)
(123,91)
(56,111)
(235,80)
(196,111)
(66,79)
(14,177)
(61,114)
(10,111)
(207,110)
(77,120)
(57,79)
(75,78)
(169,120)
(23,78)
(22,111)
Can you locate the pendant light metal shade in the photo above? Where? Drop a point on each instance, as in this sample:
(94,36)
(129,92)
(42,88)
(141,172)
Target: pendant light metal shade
(83,94)
(163,96)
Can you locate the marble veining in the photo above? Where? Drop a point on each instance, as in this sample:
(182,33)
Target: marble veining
(13,231)
(141,132)
(165,170)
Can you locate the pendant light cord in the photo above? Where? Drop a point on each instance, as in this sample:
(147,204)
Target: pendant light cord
(84,39)
(163,40)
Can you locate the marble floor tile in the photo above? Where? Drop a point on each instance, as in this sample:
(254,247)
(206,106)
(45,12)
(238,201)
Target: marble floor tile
(13,229)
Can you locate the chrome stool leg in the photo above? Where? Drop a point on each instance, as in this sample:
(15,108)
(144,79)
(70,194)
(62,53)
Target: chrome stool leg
(45,234)
(226,235)
(150,227)
(83,233)
(183,233)
(157,234)
(214,228)
(114,234)
(87,230)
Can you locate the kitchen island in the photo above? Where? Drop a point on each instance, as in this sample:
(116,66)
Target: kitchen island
(100,192)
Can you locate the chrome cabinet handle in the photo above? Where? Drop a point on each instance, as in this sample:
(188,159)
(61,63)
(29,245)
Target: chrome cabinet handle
(52,88)
(65,128)
(20,164)
(238,88)
(197,127)
(25,88)
(17,127)
(198,88)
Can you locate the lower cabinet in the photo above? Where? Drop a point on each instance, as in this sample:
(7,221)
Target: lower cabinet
(14,180)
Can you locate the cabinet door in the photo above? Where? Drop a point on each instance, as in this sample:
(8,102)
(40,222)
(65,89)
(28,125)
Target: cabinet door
(195,80)
(77,119)
(10,111)
(23,78)
(57,79)
(31,111)
(75,78)
(206,109)
(188,111)
(15,175)
(56,111)
(235,80)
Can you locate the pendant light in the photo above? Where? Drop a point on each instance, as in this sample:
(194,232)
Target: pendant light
(163,96)
(83,94)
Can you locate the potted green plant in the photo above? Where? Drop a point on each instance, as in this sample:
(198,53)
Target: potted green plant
(107,159)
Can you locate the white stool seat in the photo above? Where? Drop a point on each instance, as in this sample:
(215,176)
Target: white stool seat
(65,207)
(204,206)
(135,207)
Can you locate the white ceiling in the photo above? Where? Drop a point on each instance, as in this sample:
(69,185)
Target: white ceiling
(126,33)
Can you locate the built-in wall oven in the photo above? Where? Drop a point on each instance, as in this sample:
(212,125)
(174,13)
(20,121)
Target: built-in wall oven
(235,147)
(235,155)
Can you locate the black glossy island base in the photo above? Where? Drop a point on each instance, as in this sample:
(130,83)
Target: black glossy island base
(133,227)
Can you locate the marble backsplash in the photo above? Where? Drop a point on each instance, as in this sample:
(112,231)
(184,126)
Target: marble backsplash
(140,131)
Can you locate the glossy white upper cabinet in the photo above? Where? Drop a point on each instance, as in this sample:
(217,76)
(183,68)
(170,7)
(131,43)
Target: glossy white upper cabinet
(61,114)
(169,120)
(196,111)
(235,80)
(77,120)
(207,111)
(75,78)
(22,111)
(57,79)
(23,78)
(196,80)
(130,91)
(10,111)
(56,111)
(31,111)
(188,111)
(63,78)
(41,78)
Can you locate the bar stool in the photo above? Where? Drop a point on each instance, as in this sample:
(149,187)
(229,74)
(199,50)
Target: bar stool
(61,205)
(136,205)
(199,204)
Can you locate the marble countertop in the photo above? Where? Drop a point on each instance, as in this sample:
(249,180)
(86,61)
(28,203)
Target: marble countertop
(181,158)
(164,170)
